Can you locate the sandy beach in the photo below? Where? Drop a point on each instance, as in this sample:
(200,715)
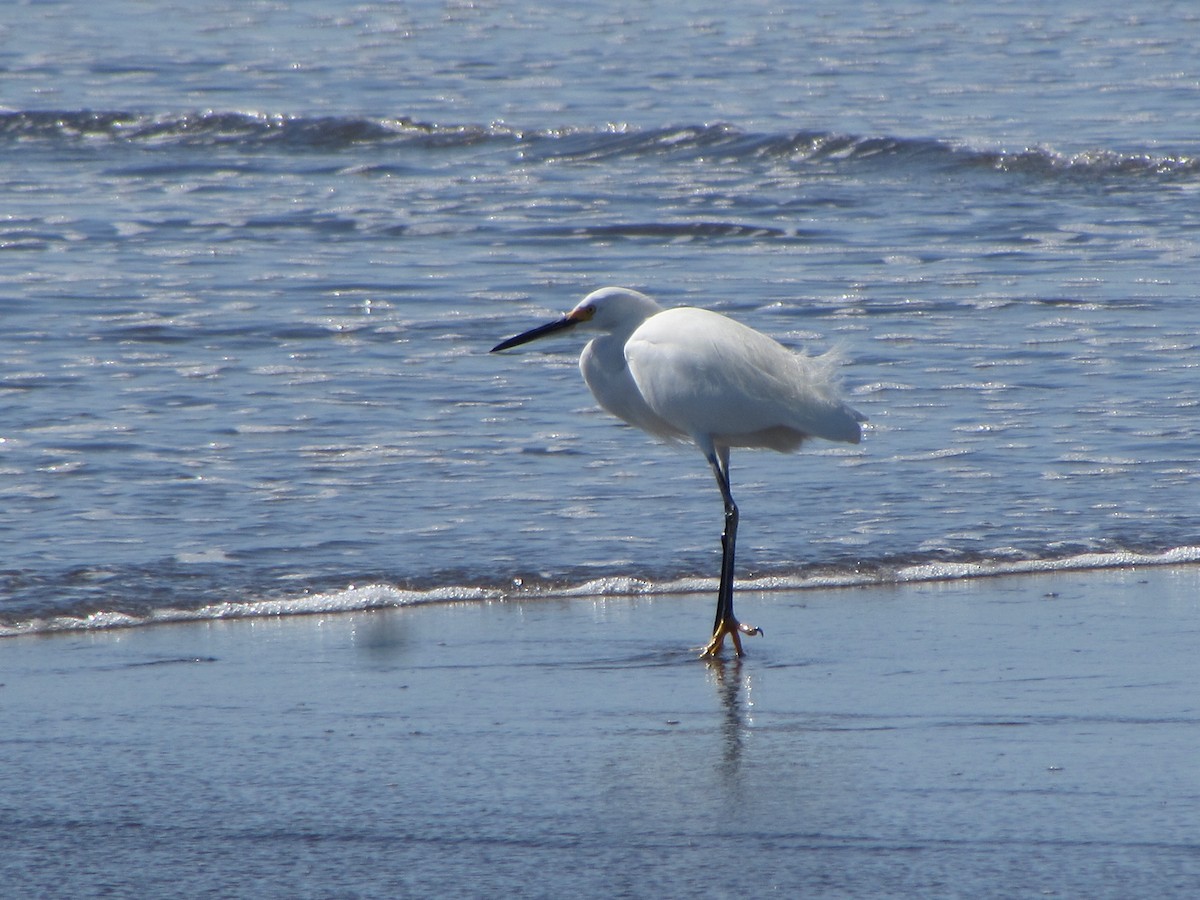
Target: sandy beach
(1016,736)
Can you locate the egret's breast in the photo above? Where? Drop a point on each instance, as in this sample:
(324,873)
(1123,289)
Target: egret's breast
(608,377)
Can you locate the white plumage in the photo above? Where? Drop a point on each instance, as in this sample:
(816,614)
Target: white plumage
(693,374)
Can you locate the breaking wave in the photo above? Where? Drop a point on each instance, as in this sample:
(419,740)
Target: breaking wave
(360,598)
(718,143)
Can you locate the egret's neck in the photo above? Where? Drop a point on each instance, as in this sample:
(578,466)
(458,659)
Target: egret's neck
(608,348)
(620,331)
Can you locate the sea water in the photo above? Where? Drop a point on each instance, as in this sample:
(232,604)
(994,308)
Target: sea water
(253,257)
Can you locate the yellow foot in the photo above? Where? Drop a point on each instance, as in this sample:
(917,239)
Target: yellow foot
(735,630)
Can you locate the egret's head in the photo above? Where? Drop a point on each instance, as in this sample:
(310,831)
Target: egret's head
(610,309)
(614,309)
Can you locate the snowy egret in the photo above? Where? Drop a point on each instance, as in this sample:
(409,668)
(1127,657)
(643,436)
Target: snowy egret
(693,374)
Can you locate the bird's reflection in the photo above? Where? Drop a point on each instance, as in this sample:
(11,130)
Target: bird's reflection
(733,686)
(382,636)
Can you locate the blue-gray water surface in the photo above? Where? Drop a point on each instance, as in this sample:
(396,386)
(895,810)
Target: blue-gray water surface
(254,257)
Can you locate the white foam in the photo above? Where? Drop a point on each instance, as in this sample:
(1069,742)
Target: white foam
(384,596)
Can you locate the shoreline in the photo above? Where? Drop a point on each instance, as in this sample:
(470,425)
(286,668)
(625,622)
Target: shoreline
(381,596)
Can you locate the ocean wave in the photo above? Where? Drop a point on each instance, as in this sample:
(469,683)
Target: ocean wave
(245,130)
(361,598)
(1044,161)
(720,144)
(673,231)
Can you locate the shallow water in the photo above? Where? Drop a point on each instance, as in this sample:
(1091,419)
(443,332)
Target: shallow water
(254,259)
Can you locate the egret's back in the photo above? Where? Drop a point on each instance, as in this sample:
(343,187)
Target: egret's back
(711,377)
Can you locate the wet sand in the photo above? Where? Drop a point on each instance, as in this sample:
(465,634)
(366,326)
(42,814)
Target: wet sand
(1017,737)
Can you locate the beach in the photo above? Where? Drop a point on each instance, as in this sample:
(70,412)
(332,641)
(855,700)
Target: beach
(1009,736)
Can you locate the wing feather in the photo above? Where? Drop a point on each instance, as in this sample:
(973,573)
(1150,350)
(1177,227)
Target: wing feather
(708,375)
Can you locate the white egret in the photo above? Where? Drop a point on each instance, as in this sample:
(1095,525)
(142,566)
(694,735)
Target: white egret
(693,374)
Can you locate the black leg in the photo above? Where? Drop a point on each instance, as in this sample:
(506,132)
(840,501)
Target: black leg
(728,541)
(725,623)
